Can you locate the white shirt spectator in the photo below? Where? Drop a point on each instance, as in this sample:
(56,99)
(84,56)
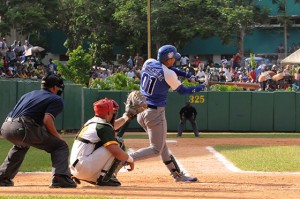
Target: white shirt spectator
(184,61)
(228,75)
(131,74)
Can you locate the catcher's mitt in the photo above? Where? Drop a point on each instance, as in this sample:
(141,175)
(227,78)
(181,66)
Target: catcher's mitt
(135,103)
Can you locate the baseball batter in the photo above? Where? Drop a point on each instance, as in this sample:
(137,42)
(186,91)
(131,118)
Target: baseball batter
(96,153)
(157,78)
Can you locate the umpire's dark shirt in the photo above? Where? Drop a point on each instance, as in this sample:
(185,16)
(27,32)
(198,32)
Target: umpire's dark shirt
(188,111)
(36,103)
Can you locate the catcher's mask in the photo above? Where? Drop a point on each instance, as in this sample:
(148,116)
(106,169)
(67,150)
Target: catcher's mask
(167,52)
(104,106)
(50,81)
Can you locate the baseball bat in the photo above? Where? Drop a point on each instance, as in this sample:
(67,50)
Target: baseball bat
(252,86)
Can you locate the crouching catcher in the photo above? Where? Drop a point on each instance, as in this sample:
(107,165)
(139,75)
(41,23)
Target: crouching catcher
(96,153)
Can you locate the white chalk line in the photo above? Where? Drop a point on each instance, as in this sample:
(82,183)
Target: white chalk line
(231,167)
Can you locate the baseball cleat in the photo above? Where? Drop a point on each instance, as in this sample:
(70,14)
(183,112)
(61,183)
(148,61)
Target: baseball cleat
(183,178)
(6,182)
(62,181)
(111,182)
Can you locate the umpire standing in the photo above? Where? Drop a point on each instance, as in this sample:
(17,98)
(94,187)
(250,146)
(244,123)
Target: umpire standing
(188,112)
(31,123)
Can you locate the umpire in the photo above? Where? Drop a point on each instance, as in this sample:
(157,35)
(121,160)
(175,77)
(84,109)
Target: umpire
(188,112)
(31,123)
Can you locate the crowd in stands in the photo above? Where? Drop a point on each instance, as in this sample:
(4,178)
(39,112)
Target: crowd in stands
(17,63)
(235,71)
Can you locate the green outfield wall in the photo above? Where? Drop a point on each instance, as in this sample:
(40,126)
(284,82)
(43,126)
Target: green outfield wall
(217,111)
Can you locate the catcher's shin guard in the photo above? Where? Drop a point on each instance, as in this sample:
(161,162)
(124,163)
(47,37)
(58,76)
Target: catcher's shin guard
(107,177)
(177,174)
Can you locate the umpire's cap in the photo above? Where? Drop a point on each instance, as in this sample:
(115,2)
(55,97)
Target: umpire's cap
(167,52)
(50,81)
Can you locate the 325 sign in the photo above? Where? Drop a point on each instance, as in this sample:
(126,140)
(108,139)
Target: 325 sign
(197,99)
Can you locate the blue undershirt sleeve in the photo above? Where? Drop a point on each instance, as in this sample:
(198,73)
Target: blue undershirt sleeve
(181,72)
(189,90)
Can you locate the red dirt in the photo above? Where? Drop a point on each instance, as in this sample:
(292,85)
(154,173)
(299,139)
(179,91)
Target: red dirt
(151,179)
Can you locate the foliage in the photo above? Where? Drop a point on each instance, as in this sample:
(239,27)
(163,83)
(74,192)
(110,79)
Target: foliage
(252,61)
(77,67)
(25,18)
(118,81)
(219,87)
(90,24)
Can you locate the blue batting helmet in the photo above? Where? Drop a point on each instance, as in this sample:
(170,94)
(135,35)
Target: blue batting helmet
(167,52)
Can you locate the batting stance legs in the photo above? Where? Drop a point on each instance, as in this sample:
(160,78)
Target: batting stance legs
(153,120)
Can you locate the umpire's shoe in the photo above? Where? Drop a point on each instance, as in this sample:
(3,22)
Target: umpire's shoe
(113,181)
(62,181)
(6,182)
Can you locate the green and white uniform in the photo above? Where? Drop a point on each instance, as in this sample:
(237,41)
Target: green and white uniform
(89,155)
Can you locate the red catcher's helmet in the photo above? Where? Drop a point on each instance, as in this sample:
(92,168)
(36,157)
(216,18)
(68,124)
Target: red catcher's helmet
(104,106)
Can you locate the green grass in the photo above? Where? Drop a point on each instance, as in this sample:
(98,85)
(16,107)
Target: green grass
(263,158)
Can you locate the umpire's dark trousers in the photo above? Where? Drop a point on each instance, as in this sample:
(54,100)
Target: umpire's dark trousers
(23,132)
(182,122)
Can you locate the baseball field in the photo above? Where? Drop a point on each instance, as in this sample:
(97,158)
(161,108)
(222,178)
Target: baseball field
(218,177)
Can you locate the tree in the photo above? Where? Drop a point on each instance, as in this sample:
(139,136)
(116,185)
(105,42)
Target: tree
(284,19)
(176,21)
(77,67)
(26,17)
(235,19)
(89,23)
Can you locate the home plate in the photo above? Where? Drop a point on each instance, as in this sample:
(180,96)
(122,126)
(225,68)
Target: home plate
(171,141)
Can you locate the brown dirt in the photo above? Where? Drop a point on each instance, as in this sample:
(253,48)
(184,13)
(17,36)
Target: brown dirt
(151,179)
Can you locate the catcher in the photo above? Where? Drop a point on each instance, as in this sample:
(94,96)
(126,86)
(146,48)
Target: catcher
(96,153)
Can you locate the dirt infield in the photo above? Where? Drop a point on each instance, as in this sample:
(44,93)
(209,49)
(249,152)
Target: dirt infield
(151,179)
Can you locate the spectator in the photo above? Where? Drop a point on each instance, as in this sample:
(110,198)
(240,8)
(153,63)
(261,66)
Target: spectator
(201,75)
(130,62)
(188,112)
(138,60)
(10,56)
(274,69)
(224,61)
(184,61)
(52,67)
(228,75)
(19,49)
(297,75)
(252,75)
(222,77)
(236,60)
(3,46)
(27,45)
(197,61)
(214,75)
(131,73)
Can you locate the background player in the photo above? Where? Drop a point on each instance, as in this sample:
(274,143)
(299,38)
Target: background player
(156,80)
